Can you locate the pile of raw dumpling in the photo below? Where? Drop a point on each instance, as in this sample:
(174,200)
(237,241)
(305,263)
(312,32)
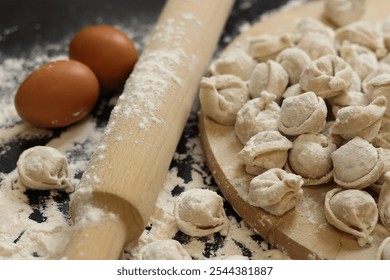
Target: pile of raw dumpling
(309,107)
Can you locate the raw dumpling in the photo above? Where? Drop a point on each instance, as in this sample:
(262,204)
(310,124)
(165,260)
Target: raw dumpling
(44,168)
(343,12)
(293,90)
(199,212)
(362,121)
(328,76)
(350,98)
(265,47)
(383,252)
(365,34)
(294,61)
(222,96)
(352,211)
(357,164)
(362,60)
(377,186)
(269,76)
(275,191)
(164,250)
(380,86)
(236,62)
(317,45)
(304,113)
(258,114)
(265,150)
(384,202)
(311,25)
(383,68)
(310,158)
(382,140)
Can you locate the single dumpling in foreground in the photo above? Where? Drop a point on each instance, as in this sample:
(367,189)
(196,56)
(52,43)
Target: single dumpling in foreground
(352,211)
(275,191)
(44,168)
(310,158)
(357,164)
(200,212)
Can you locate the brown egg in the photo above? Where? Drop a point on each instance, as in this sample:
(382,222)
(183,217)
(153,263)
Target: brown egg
(109,52)
(57,94)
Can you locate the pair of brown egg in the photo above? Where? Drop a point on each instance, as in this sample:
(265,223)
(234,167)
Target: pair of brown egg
(63,92)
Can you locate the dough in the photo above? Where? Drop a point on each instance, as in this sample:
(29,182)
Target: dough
(304,113)
(379,86)
(311,25)
(236,62)
(294,61)
(199,212)
(328,76)
(163,250)
(383,68)
(258,114)
(293,90)
(269,76)
(317,45)
(265,46)
(362,121)
(382,140)
(365,34)
(310,158)
(384,201)
(357,164)
(222,97)
(265,150)
(44,168)
(275,191)
(352,211)
(343,12)
(350,98)
(362,60)
(377,186)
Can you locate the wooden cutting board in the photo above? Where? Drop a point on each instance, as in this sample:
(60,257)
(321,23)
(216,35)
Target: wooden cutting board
(302,233)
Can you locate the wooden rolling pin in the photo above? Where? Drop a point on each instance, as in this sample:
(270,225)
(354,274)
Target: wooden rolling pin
(118,191)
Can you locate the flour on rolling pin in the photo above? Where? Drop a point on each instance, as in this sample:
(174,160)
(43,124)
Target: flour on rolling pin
(144,91)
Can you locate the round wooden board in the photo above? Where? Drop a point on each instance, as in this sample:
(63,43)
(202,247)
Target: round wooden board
(302,233)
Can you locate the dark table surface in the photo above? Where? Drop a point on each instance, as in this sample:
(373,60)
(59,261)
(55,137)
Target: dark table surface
(24,25)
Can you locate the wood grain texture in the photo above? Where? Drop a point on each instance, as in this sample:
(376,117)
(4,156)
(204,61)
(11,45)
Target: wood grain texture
(302,233)
(133,170)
